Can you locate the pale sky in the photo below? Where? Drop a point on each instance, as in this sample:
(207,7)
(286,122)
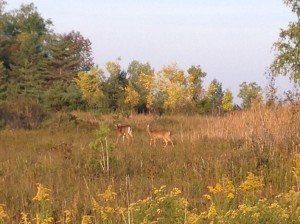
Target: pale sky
(231,39)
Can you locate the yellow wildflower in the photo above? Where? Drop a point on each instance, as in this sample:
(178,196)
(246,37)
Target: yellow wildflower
(212,211)
(86,219)
(158,211)
(42,193)
(230,195)
(216,189)
(109,194)
(175,192)
(3,214)
(96,207)
(160,190)
(251,183)
(109,209)
(47,220)
(67,216)
(227,185)
(207,196)
(24,219)
(121,210)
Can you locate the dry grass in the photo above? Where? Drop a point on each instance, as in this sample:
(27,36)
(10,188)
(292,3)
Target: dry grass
(206,149)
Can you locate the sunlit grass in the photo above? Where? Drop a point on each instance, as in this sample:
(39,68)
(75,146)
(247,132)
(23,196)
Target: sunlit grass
(207,150)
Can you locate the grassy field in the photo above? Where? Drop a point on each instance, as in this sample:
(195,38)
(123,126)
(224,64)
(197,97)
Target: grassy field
(207,151)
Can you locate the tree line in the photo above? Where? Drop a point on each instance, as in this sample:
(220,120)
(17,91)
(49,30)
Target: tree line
(57,72)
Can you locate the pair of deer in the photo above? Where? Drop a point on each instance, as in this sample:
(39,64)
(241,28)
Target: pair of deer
(126,131)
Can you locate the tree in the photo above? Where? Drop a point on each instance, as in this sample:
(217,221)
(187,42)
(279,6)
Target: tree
(172,87)
(250,93)
(194,82)
(65,56)
(287,48)
(3,81)
(147,83)
(131,96)
(134,71)
(214,94)
(227,101)
(114,86)
(25,66)
(89,84)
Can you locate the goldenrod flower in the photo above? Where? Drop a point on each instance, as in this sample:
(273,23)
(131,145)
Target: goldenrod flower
(24,219)
(175,192)
(160,190)
(251,183)
(207,196)
(109,194)
(216,189)
(109,209)
(230,195)
(227,185)
(3,214)
(86,219)
(42,193)
(67,216)
(212,211)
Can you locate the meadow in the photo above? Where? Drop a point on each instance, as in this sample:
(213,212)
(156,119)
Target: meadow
(242,167)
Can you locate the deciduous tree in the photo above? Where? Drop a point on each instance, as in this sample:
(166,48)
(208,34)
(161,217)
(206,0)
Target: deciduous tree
(227,101)
(90,85)
(287,48)
(250,93)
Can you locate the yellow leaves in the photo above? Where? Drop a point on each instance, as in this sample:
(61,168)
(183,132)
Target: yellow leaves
(23,36)
(42,193)
(131,95)
(147,81)
(89,84)
(227,101)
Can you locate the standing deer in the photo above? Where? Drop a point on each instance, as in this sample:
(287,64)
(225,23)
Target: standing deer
(165,135)
(124,131)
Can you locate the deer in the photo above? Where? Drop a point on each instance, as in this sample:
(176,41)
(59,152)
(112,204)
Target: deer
(165,135)
(124,131)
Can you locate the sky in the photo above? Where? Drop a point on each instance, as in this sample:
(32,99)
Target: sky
(231,40)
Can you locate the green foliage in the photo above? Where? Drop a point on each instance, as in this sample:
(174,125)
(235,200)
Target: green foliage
(104,147)
(135,71)
(114,86)
(194,82)
(62,96)
(3,81)
(250,93)
(286,60)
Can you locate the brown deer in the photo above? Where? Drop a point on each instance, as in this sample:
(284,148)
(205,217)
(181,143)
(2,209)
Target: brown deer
(165,135)
(124,131)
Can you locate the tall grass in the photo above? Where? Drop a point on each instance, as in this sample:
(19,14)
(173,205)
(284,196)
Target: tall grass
(207,149)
